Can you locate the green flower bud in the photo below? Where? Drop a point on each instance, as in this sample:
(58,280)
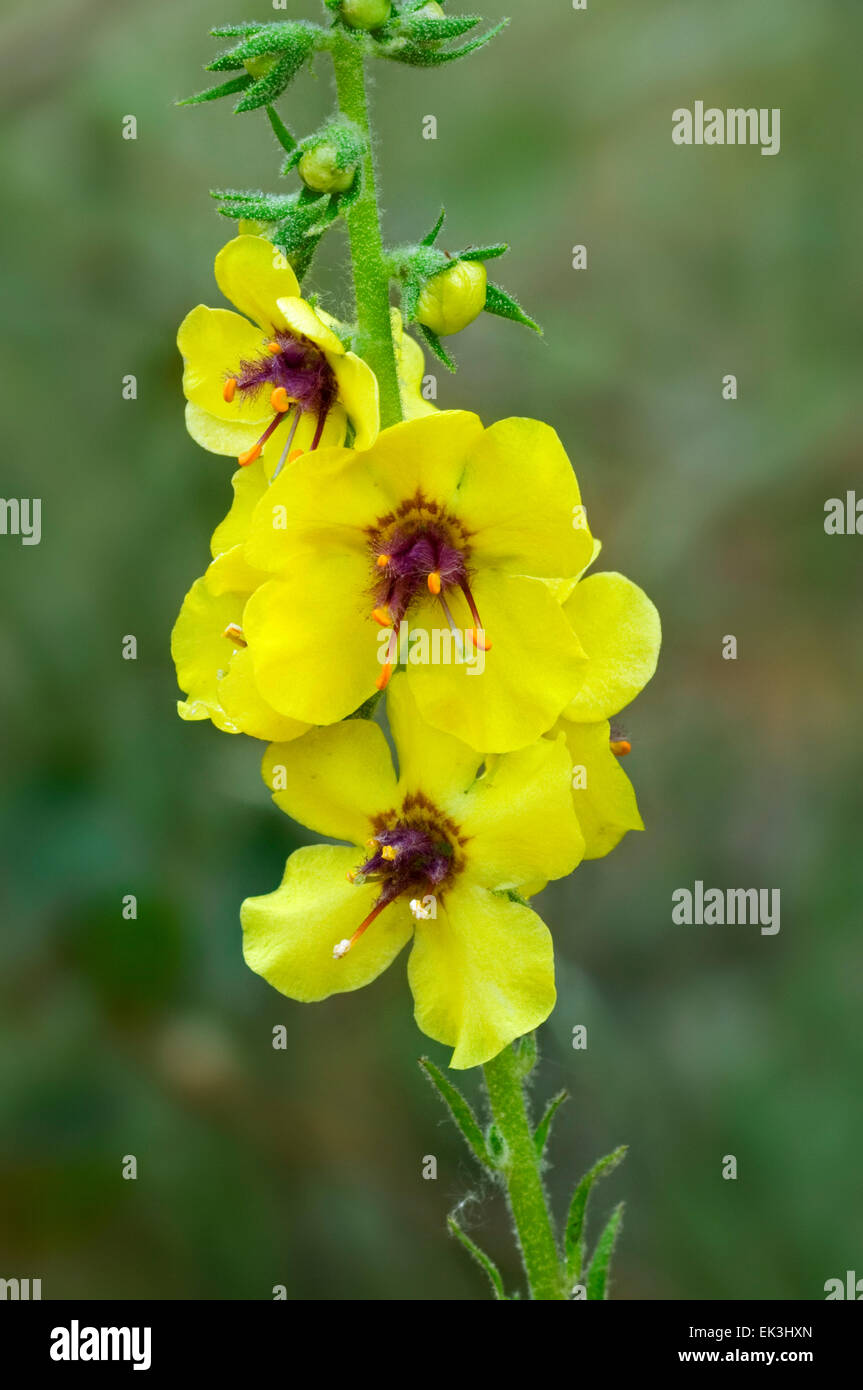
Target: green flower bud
(366,14)
(319,169)
(454,298)
(259,67)
(430,11)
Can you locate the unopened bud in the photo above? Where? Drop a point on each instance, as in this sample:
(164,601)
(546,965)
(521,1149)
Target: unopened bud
(319,170)
(454,298)
(366,14)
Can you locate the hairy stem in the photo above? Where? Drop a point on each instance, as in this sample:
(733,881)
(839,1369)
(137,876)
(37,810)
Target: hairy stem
(521,1170)
(371,276)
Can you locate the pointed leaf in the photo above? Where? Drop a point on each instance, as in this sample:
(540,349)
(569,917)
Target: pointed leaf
(280,130)
(484,253)
(267,88)
(434,343)
(574,1237)
(234,31)
(596,1283)
(431,237)
(498,302)
(227,89)
(459,1109)
(543,1129)
(481,1258)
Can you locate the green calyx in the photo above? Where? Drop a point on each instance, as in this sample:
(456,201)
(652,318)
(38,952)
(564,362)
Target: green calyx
(442,293)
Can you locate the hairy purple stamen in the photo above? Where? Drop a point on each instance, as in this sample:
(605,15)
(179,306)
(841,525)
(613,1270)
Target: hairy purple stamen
(407,859)
(410,558)
(299,367)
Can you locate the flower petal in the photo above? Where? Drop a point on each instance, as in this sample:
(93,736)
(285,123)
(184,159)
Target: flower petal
(313,642)
(619,629)
(530,673)
(482,973)
(323,500)
(213,342)
(289,935)
(602,794)
(300,318)
(358,393)
(200,651)
(230,573)
(233,437)
(426,456)
(253,275)
(411,365)
(249,485)
(520,500)
(246,708)
(335,780)
(440,766)
(519,819)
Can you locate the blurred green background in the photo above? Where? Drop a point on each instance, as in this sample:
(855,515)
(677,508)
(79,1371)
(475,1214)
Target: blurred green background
(151,1038)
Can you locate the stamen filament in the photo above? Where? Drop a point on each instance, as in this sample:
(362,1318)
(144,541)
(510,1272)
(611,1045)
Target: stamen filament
(288,442)
(478,633)
(255,452)
(342,947)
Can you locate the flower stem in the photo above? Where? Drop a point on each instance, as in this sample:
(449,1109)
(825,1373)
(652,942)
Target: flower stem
(521,1170)
(371,276)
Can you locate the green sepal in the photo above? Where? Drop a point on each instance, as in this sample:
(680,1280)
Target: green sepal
(460,1111)
(543,1129)
(226,89)
(434,344)
(260,207)
(596,1283)
(484,253)
(498,302)
(288,38)
(437,29)
(431,237)
(347,199)
(525,1051)
(280,130)
(269,87)
(417,56)
(573,1244)
(486,1264)
(234,31)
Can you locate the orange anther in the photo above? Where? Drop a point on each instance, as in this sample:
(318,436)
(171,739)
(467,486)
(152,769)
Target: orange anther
(388,852)
(249,456)
(234,633)
(480,641)
(382,617)
(280,400)
(229,389)
(385,677)
(382,561)
(273,348)
(434,582)
(620,747)
(294,455)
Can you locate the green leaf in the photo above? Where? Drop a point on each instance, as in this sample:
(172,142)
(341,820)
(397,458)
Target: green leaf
(431,237)
(543,1129)
(459,1109)
(270,39)
(574,1237)
(484,253)
(227,89)
(498,302)
(261,207)
(596,1284)
(435,345)
(280,130)
(418,57)
(491,1269)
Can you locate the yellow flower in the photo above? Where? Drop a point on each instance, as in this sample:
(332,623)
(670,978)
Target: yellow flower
(209,648)
(279,379)
(454,298)
(438,523)
(410,365)
(620,631)
(446,850)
